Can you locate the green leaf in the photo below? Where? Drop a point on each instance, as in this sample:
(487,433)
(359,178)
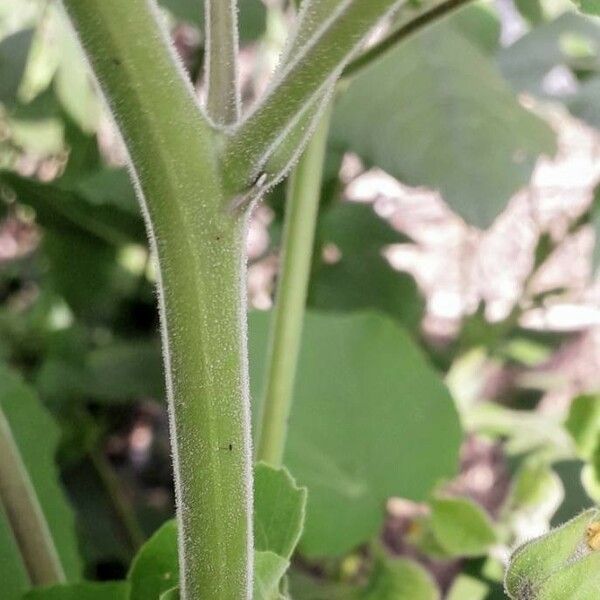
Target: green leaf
(400,579)
(362,278)
(466,587)
(155,569)
(172,594)
(279,510)
(435,112)
(461,527)
(480,25)
(591,7)
(531,11)
(14,51)
(536,561)
(583,423)
(577,581)
(82,591)
(371,419)
(269,568)
(36,436)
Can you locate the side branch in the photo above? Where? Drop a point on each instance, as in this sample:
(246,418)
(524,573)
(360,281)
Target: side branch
(223,98)
(410,22)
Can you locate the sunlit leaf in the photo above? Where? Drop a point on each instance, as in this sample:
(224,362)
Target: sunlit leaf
(434,101)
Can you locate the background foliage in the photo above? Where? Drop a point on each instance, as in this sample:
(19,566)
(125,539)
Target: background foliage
(388,419)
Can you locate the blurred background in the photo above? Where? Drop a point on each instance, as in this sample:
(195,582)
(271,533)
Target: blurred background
(457,245)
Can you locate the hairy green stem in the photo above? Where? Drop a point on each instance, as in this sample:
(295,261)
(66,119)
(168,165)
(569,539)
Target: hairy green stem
(412,20)
(222,101)
(25,515)
(201,270)
(302,208)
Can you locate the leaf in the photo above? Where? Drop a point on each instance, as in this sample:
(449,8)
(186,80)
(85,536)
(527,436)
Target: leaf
(371,419)
(466,587)
(577,581)
(362,278)
(591,7)
(435,112)
(36,436)
(82,591)
(536,561)
(269,568)
(527,62)
(126,370)
(155,569)
(461,527)
(14,51)
(400,579)
(480,25)
(531,11)
(279,510)
(583,423)
(172,594)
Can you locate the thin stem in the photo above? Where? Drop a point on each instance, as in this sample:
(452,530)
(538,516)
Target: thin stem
(199,249)
(414,21)
(120,504)
(223,101)
(25,515)
(319,62)
(302,207)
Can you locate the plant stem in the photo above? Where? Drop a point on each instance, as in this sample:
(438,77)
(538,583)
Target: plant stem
(25,515)
(134,536)
(223,102)
(302,208)
(199,246)
(414,21)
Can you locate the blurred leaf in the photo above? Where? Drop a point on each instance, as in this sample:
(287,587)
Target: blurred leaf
(252,15)
(14,50)
(528,62)
(480,25)
(591,7)
(305,587)
(155,568)
(576,497)
(378,401)
(82,591)
(172,594)
(65,212)
(531,10)
(435,112)
(269,568)
(15,580)
(536,493)
(585,104)
(400,579)
(461,527)
(542,565)
(126,370)
(362,278)
(36,436)
(279,510)
(583,423)
(466,587)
